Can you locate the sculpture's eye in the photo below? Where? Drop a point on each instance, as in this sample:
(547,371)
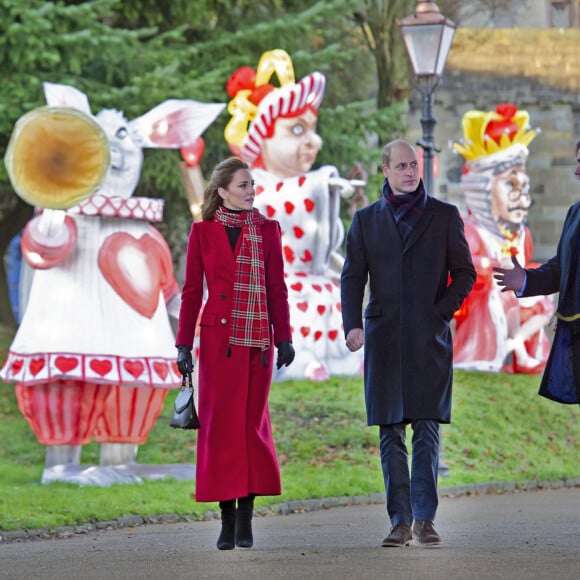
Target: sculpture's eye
(298,129)
(121,133)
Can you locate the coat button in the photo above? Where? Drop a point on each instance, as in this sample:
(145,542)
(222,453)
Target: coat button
(223,320)
(223,296)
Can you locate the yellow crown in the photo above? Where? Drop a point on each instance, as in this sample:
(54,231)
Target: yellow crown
(241,107)
(489,132)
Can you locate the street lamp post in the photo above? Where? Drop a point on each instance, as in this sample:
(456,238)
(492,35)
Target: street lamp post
(427,143)
(428,36)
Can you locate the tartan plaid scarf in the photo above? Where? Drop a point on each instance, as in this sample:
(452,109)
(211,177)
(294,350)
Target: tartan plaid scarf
(406,208)
(249,323)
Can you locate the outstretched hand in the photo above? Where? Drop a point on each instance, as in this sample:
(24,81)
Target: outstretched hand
(512,279)
(345,188)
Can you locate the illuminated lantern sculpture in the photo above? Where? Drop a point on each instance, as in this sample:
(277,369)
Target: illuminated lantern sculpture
(273,129)
(93,357)
(495,331)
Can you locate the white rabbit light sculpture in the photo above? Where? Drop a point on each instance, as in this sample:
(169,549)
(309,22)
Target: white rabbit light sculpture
(93,358)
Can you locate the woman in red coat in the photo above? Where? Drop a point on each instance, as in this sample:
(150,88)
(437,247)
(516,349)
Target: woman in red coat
(237,252)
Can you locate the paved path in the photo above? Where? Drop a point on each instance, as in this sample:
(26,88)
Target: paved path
(524,535)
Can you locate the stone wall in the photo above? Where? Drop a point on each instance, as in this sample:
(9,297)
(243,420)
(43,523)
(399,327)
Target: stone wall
(539,71)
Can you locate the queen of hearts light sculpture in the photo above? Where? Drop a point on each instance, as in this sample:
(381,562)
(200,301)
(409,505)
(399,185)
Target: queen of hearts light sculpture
(273,129)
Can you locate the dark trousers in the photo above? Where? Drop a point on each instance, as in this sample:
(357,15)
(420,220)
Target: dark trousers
(410,495)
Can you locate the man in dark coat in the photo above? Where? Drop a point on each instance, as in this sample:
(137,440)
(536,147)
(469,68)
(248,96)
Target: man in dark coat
(411,249)
(561,379)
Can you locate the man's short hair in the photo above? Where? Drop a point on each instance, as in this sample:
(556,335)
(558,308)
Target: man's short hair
(388,148)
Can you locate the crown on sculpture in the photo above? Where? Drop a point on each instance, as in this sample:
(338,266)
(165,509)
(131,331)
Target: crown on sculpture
(489,132)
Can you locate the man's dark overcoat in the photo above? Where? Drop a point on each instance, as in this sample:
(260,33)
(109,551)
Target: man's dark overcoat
(414,291)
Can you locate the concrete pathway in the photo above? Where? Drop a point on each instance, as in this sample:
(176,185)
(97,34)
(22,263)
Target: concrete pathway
(522,535)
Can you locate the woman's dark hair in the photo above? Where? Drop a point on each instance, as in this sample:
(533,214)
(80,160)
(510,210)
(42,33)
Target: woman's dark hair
(221,176)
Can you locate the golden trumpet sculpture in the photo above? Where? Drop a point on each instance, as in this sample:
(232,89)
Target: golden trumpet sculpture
(57,157)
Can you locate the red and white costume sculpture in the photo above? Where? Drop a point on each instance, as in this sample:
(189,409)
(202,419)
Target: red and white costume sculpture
(495,331)
(273,129)
(93,358)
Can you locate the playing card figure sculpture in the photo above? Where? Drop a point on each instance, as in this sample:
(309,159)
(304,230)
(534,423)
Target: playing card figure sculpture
(496,331)
(93,357)
(274,130)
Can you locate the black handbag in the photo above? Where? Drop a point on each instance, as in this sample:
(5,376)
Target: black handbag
(184,413)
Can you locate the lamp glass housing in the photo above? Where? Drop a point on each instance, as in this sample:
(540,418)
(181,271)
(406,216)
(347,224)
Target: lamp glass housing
(428,46)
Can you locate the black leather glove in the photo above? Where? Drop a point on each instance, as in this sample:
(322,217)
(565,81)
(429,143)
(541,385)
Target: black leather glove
(285,354)
(184,359)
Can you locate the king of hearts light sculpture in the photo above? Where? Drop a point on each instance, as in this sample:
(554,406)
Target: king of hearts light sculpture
(273,129)
(495,331)
(93,357)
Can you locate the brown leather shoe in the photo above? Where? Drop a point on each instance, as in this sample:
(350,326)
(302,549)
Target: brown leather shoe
(400,536)
(425,533)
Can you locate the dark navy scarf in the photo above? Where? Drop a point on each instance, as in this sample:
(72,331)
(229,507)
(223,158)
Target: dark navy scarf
(406,208)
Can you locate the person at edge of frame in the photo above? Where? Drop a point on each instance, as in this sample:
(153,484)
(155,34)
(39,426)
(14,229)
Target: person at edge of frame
(561,273)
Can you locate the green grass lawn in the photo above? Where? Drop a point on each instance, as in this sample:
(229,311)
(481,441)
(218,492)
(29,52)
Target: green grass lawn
(501,431)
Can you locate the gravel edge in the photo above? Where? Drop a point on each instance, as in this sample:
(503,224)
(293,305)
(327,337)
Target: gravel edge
(281,509)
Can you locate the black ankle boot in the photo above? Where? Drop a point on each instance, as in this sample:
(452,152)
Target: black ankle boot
(244,536)
(226,541)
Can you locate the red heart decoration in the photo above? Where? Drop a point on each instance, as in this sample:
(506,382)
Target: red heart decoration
(317,335)
(133,267)
(133,367)
(305,331)
(36,365)
(193,153)
(339,306)
(321,309)
(307,256)
(161,368)
(302,306)
(270,211)
(288,254)
(332,334)
(317,287)
(298,232)
(309,205)
(17,366)
(297,286)
(301,180)
(279,185)
(328,287)
(301,274)
(289,207)
(101,367)
(65,363)
(259,189)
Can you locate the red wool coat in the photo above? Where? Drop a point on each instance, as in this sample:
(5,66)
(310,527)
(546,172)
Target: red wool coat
(235,448)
